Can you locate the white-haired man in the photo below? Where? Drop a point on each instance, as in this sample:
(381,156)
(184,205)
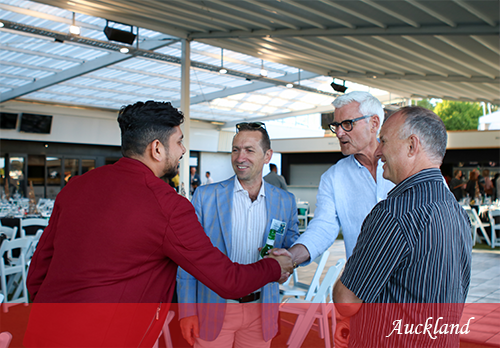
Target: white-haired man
(349,189)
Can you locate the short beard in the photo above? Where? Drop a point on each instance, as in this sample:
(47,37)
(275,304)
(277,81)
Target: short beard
(170,173)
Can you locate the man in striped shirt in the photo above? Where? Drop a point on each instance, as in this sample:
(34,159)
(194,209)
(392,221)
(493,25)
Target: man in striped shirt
(415,246)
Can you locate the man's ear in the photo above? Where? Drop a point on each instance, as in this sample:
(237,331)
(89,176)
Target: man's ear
(156,150)
(375,123)
(268,155)
(414,145)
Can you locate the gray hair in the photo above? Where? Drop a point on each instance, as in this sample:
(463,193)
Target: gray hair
(368,104)
(428,127)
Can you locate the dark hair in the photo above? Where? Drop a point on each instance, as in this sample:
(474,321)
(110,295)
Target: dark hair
(265,142)
(455,173)
(207,173)
(142,123)
(272,166)
(428,127)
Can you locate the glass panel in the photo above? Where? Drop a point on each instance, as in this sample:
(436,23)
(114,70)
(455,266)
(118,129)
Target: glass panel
(54,176)
(70,168)
(36,174)
(87,165)
(16,176)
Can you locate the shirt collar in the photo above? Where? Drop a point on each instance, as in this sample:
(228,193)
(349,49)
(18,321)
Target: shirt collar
(239,188)
(430,174)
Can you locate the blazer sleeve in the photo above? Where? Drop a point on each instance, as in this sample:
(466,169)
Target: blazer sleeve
(292,233)
(187,285)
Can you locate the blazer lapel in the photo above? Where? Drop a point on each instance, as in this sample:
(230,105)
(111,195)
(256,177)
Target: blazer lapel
(273,206)
(224,206)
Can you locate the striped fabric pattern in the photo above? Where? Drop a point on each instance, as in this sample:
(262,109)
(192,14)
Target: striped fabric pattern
(414,247)
(249,224)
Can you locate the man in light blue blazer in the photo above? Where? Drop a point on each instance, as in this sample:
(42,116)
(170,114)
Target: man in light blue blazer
(237,215)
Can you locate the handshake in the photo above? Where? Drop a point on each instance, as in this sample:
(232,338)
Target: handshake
(285,260)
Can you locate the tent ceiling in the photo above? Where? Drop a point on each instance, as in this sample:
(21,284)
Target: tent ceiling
(446,49)
(430,49)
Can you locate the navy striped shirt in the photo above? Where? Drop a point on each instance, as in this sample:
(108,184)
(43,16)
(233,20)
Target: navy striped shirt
(411,264)
(414,247)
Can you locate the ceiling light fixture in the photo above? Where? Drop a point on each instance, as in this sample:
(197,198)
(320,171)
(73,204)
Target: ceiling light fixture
(124,50)
(119,35)
(263,72)
(222,69)
(339,88)
(289,85)
(1,25)
(73,28)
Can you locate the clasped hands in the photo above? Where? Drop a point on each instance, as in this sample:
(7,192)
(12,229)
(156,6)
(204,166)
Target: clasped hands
(284,258)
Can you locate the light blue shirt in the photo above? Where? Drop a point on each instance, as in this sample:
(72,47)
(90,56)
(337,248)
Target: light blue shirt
(347,193)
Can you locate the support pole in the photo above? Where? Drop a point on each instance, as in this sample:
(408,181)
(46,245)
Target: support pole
(185,81)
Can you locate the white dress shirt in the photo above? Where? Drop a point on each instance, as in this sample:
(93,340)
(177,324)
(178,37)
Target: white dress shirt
(248,220)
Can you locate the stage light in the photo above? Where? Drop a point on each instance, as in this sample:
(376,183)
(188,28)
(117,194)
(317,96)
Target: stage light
(118,35)
(338,88)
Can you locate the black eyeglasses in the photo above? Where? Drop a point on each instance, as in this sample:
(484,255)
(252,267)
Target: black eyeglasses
(250,125)
(346,125)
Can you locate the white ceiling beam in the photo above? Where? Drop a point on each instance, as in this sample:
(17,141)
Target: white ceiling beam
(96,9)
(449,56)
(318,109)
(28,66)
(492,46)
(84,68)
(172,9)
(414,77)
(40,54)
(465,50)
(258,14)
(433,13)
(251,87)
(392,13)
(389,31)
(319,13)
(228,19)
(42,15)
(476,12)
(420,55)
(379,60)
(281,11)
(337,6)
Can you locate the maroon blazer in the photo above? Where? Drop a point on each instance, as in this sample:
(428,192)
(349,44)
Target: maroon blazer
(117,235)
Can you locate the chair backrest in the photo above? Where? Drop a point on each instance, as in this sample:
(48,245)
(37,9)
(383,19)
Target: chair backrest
(313,287)
(494,215)
(10,232)
(39,222)
(473,217)
(326,288)
(32,246)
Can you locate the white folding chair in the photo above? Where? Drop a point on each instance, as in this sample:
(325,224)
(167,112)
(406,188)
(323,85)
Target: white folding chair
(10,232)
(494,216)
(298,289)
(5,338)
(303,211)
(477,224)
(32,222)
(15,266)
(308,311)
(166,332)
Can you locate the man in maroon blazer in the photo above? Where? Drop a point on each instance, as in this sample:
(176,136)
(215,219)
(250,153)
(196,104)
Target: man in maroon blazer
(117,235)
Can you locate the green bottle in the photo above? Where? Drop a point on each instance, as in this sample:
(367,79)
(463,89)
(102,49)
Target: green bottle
(271,238)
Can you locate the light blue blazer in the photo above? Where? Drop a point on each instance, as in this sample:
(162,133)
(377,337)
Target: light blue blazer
(213,204)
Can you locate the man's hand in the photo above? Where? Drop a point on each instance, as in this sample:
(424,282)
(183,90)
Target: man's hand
(298,253)
(190,328)
(286,264)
